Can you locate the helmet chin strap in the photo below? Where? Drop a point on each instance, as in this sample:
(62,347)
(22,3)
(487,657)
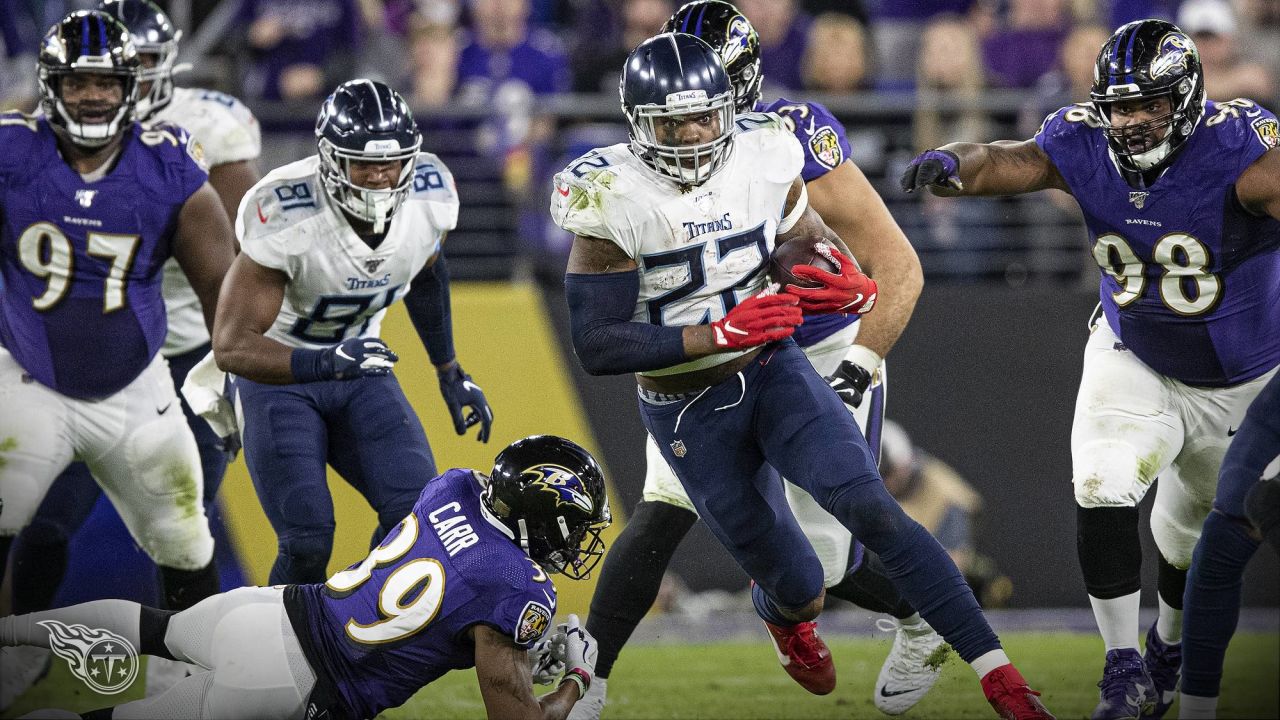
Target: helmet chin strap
(87,134)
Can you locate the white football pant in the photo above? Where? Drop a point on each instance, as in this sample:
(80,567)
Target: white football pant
(137,444)
(1133,425)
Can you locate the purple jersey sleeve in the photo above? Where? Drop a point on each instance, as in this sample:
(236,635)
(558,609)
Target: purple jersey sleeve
(1066,137)
(819,132)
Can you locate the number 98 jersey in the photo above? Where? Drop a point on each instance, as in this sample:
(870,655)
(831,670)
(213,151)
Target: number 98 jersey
(1190,280)
(81,308)
(700,250)
(339,287)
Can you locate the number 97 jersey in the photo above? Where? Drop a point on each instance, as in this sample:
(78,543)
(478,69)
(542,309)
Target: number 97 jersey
(1190,280)
(338,286)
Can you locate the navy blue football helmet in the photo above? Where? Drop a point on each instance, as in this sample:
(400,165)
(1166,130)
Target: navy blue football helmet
(675,75)
(1148,59)
(727,30)
(153,34)
(88,41)
(549,493)
(366,121)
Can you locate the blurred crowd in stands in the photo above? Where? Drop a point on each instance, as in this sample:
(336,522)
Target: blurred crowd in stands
(486,76)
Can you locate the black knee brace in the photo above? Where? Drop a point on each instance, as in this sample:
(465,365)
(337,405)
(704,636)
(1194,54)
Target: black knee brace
(1171,583)
(184,588)
(1110,551)
(632,575)
(153,623)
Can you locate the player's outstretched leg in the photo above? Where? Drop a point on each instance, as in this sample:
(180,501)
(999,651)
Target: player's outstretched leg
(629,583)
(802,652)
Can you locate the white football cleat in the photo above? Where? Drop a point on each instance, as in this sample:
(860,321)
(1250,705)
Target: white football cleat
(163,674)
(913,666)
(20,668)
(591,704)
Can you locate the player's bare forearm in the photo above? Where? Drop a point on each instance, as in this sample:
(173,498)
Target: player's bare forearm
(204,245)
(506,682)
(1004,167)
(248,306)
(1259,185)
(231,181)
(854,211)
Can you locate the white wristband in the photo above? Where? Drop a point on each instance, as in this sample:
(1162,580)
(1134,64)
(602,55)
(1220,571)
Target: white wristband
(864,357)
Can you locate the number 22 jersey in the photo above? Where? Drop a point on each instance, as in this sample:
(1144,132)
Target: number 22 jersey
(1190,279)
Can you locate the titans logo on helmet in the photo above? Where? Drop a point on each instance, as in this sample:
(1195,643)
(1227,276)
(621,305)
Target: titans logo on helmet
(1175,48)
(567,486)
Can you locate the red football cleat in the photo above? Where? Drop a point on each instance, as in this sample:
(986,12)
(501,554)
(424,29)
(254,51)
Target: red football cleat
(804,656)
(1008,693)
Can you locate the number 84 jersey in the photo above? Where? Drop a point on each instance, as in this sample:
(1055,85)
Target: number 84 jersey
(700,250)
(339,287)
(1190,280)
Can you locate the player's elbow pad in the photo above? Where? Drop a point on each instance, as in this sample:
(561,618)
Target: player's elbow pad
(605,338)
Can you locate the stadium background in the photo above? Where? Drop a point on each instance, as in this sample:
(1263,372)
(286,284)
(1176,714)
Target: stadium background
(984,378)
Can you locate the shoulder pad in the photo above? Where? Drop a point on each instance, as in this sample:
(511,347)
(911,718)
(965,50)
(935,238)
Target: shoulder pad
(583,192)
(432,179)
(1242,122)
(225,127)
(16,119)
(752,121)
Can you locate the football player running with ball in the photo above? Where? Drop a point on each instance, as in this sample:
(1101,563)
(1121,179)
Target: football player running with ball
(1181,198)
(844,348)
(665,279)
(462,581)
(327,244)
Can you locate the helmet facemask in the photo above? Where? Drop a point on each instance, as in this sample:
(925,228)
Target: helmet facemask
(160,75)
(1162,135)
(84,134)
(374,206)
(686,164)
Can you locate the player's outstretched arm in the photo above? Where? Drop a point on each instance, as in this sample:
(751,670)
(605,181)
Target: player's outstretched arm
(1004,167)
(1259,185)
(506,682)
(203,245)
(249,305)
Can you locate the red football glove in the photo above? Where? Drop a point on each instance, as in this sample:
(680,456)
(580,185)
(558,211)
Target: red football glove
(760,319)
(848,292)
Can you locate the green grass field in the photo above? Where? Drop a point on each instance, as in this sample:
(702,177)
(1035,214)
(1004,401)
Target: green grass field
(743,680)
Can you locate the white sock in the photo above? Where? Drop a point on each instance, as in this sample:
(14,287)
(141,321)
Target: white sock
(1169,624)
(1194,707)
(1117,620)
(988,661)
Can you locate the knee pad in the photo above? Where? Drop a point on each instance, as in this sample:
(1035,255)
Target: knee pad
(1262,506)
(307,556)
(1176,536)
(1109,475)
(182,542)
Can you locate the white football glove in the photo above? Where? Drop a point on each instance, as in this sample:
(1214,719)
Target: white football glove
(580,654)
(546,658)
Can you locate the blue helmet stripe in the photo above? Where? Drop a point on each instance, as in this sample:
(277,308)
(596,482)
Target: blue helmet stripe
(1128,54)
(103,45)
(684,27)
(698,30)
(84,35)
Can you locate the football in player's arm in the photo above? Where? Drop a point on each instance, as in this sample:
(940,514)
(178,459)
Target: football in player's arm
(1181,198)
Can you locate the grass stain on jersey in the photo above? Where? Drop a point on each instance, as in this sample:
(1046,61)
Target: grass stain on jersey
(7,445)
(178,476)
(582,199)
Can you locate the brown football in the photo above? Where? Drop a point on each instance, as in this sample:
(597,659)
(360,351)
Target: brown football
(797,251)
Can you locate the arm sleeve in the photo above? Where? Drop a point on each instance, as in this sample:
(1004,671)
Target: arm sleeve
(605,338)
(428,305)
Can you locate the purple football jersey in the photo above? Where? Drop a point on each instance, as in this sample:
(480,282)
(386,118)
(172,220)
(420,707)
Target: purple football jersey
(1190,279)
(445,567)
(81,308)
(825,147)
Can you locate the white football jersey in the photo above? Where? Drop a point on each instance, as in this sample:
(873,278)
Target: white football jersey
(702,251)
(339,287)
(227,132)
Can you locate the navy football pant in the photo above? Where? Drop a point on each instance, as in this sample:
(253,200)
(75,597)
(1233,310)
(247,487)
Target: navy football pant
(40,551)
(1211,604)
(364,428)
(780,411)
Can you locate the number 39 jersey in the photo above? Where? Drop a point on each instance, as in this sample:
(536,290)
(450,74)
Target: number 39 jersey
(1190,279)
(339,287)
(81,308)
(381,629)
(700,251)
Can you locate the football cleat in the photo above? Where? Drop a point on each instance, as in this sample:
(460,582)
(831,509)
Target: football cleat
(913,666)
(1163,662)
(804,656)
(20,668)
(591,705)
(1010,696)
(1126,689)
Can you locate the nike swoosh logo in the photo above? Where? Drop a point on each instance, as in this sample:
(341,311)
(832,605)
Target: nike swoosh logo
(1232,431)
(730,328)
(564,191)
(470,385)
(343,355)
(165,409)
(886,692)
(812,125)
(261,218)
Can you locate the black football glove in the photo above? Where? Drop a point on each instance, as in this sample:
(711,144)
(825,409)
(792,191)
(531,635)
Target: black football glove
(932,167)
(461,393)
(850,381)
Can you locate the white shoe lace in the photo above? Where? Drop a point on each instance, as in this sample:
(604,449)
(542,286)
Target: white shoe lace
(912,647)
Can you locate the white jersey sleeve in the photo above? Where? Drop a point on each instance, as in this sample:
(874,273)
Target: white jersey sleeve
(226,129)
(770,145)
(434,187)
(590,198)
(272,222)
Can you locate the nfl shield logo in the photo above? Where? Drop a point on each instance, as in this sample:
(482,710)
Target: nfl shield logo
(1138,199)
(372,264)
(85,197)
(678,448)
